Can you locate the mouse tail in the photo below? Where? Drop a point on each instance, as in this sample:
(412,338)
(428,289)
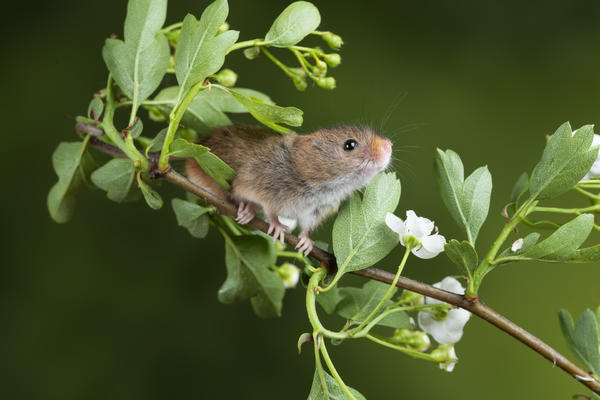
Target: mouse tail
(198,176)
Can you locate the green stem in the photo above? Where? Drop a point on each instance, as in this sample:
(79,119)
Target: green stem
(231,225)
(294,255)
(389,291)
(248,43)
(317,340)
(334,372)
(577,211)
(174,120)
(586,193)
(311,308)
(171,27)
(107,124)
(411,352)
(307,67)
(281,65)
(487,262)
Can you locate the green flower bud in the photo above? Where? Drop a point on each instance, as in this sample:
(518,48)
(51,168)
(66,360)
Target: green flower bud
(326,83)
(333,59)
(251,52)
(223,28)
(298,72)
(226,77)
(334,41)
(173,36)
(320,67)
(411,298)
(417,340)
(445,356)
(289,274)
(300,83)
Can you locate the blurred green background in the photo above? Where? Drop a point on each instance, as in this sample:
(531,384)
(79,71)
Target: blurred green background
(120,303)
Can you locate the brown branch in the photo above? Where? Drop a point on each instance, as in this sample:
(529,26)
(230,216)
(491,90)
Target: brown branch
(474,305)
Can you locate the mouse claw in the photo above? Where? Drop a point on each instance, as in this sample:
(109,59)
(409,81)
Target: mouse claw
(245,213)
(305,244)
(278,230)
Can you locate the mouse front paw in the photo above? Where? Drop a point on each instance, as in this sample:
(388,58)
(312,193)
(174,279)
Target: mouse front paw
(245,213)
(305,244)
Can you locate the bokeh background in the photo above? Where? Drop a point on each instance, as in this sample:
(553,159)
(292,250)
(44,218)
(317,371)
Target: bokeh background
(120,303)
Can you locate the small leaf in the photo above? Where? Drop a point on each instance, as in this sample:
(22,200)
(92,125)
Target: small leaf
(562,244)
(357,303)
(565,161)
(116,179)
(157,142)
(268,114)
(151,196)
(588,254)
(332,392)
(73,166)
(192,217)
(95,109)
(200,51)
(467,200)
(528,242)
(463,255)
(329,300)
(360,235)
(210,163)
(295,22)
(304,338)
(248,259)
(520,187)
(136,129)
(582,338)
(139,63)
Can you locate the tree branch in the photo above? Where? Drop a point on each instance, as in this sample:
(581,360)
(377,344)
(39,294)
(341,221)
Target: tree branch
(474,305)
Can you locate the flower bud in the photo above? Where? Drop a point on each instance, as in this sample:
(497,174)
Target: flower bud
(417,340)
(411,298)
(226,77)
(251,52)
(289,274)
(320,67)
(334,41)
(326,82)
(333,59)
(223,28)
(445,356)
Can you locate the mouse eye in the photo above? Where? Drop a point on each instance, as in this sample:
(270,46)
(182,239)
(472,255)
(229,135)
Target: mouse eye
(350,145)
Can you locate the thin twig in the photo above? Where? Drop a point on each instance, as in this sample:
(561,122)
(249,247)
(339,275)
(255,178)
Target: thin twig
(474,305)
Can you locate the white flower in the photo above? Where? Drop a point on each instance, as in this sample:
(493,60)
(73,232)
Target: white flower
(419,228)
(290,274)
(517,245)
(449,329)
(446,356)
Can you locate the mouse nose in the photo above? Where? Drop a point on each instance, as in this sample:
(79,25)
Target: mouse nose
(387,146)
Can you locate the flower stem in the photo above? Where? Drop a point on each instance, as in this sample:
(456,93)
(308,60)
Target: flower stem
(389,291)
(248,43)
(334,372)
(410,352)
(311,308)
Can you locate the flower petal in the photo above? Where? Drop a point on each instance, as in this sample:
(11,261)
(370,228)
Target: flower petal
(431,246)
(418,227)
(395,224)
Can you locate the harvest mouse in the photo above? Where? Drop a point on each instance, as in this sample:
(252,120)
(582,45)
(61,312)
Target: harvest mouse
(302,177)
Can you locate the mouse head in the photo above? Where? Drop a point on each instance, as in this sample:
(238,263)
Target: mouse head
(344,151)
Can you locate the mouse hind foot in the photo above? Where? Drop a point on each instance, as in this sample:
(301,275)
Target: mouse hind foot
(305,244)
(245,213)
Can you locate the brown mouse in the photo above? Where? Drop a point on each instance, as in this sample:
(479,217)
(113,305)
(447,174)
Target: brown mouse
(303,177)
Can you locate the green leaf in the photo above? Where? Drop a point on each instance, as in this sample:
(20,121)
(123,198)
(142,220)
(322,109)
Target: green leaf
(200,51)
(95,109)
(248,259)
(360,235)
(206,111)
(562,244)
(192,217)
(467,200)
(357,303)
(73,166)
(582,338)
(520,187)
(295,22)
(332,391)
(463,255)
(565,161)
(151,196)
(268,114)
(210,163)
(528,242)
(116,179)
(157,142)
(139,63)
(588,254)
(137,128)
(329,300)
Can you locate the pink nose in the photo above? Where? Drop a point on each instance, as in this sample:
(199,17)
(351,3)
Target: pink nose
(387,147)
